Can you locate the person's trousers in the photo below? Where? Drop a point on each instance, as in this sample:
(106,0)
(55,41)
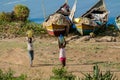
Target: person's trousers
(31,55)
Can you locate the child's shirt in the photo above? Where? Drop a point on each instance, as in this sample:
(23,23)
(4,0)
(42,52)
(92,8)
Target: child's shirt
(62,53)
(30,46)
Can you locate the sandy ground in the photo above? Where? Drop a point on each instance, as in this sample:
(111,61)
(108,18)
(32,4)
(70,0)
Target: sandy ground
(81,56)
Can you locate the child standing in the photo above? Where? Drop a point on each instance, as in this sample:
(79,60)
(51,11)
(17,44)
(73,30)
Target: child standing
(62,55)
(30,46)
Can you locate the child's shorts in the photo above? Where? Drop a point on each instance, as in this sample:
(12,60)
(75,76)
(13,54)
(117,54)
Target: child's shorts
(62,59)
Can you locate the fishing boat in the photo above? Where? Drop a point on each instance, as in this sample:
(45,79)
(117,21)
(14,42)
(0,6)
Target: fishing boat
(117,22)
(88,23)
(59,22)
(56,30)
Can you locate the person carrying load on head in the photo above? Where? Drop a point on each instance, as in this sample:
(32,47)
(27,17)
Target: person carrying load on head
(29,39)
(62,45)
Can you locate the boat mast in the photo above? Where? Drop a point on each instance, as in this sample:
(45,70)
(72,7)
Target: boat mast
(72,13)
(66,1)
(43,8)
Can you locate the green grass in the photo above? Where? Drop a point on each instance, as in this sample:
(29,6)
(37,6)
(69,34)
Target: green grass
(9,75)
(98,75)
(61,74)
(18,29)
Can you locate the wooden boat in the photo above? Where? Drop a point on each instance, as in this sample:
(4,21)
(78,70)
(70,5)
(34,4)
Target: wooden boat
(85,24)
(56,23)
(56,30)
(117,22)
(62,25)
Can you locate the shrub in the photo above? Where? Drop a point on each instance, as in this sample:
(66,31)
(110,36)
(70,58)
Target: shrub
(97,75)
(9,76)
(5,16)
(61,74)
(21,12)
(37,29)
(19,29)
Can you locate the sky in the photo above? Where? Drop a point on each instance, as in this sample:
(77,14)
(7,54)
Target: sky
(41,8)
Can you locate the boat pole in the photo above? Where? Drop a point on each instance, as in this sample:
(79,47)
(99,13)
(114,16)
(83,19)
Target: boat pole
(72,13)
(66,1)
(43,8)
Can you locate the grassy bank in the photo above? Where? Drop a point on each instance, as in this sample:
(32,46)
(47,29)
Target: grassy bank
(19,29)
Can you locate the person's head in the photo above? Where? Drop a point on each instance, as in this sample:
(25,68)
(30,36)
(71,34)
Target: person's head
(30,40)
(61,40)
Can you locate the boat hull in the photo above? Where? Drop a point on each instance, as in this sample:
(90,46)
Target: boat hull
(88,23)
(56,30)
(117,22)
(84,29)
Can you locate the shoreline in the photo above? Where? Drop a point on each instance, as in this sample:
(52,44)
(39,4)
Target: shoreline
(40,20)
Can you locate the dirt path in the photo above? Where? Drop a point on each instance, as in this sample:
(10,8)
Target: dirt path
(81,56)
